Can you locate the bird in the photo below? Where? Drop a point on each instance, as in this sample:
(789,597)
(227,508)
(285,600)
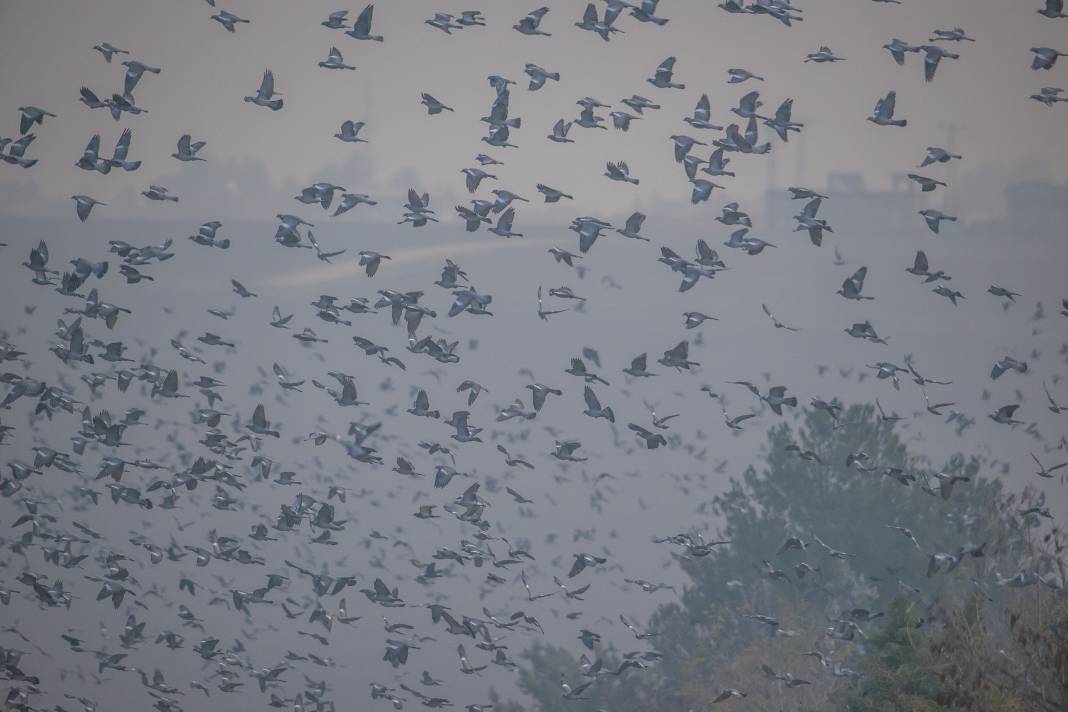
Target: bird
(122,147)
(349,201)
(559,134)
(361,28)
(30,116)
(474,177)
(334,60)
(660,421)
(701,114)
(782,123)
(1004,415)
(955,34)
(1053,406)
(503,228)
(727,694)
(228,20)
(950,294)
(664,73)
(695,319)
(934,218)
(646,12)
(926,184)
(594,409)
(583,561)
(778,324)
(933,55)
(897,49)
(884,112)
(735,422)
(134,71)
(188,149)
(823,55)
(1049,96)
(938,155)
(158,192)
(108,50)
(264,96)
(530,23)
(538,76)
(640,103)
(1045,57)
(808,221)
(633,227)
(620,172)
(17,150)
(84,205)
(737,75)
(433,106)
(854,285)
(1045,472)
(1008,363)
(604,28)
(1053,9)
(370,261)
(349,132)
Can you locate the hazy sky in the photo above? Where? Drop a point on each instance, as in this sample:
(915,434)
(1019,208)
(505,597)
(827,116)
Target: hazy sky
(207,71)
(257,160)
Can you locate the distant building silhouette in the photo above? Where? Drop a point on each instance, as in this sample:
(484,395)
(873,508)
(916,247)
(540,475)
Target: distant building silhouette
(1037,209)
(853,207)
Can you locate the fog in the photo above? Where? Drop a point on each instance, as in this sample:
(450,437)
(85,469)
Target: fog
(1008,191)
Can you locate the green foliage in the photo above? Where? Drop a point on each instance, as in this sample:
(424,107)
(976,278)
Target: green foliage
(548,665)
(937,645)
(898,675)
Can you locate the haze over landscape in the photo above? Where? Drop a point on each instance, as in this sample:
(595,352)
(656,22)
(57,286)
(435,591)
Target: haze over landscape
(260,393)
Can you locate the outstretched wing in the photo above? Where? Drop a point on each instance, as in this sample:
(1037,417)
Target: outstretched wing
(363,22)
(591,399)
(266,90)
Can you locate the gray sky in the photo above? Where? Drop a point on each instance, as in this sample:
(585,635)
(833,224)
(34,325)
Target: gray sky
(207,71)
(257,161)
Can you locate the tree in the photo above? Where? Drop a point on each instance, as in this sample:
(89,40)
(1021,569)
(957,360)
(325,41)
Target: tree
(868,600)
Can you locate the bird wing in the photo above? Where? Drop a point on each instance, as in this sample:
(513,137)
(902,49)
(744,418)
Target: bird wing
(703,110)
(591,399)
(504,223)
(123,146)
(634,223)
(665,69)
(266,90)
(889,103)
(920,264)
(930,64)
(858,278)
(812,208)
(363,22)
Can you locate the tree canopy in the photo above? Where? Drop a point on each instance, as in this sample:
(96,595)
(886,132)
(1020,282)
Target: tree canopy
(856,577)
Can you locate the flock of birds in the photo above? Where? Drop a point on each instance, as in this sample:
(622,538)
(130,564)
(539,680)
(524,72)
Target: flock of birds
(57,487)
